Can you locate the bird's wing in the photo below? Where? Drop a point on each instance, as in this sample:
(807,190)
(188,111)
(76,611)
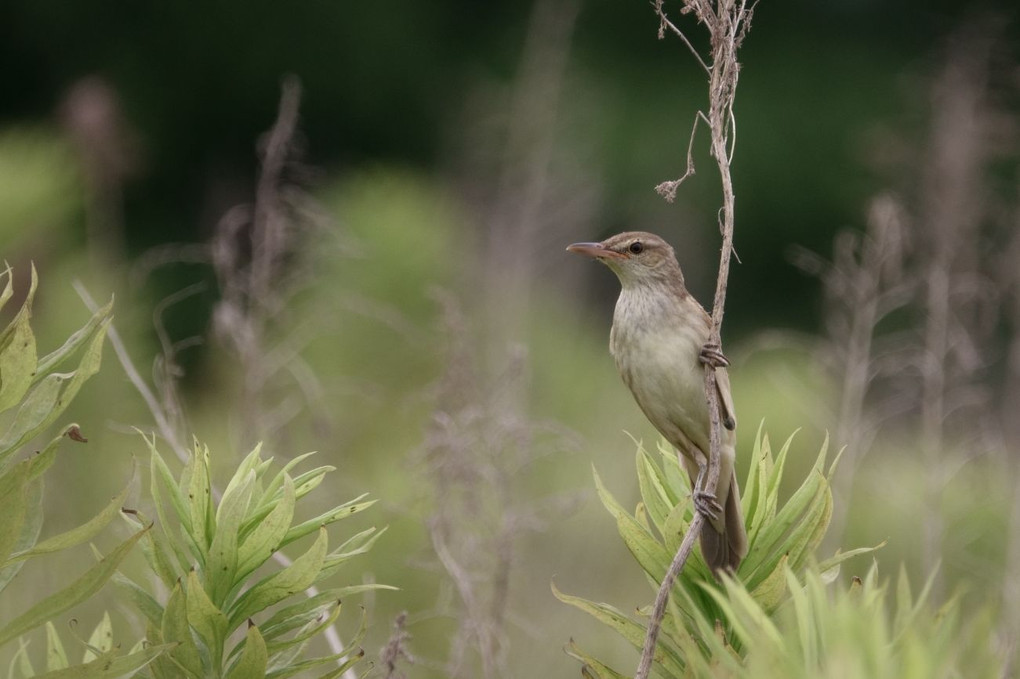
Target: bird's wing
(722,381)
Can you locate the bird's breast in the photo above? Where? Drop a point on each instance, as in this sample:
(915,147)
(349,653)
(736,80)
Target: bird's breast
(656,348)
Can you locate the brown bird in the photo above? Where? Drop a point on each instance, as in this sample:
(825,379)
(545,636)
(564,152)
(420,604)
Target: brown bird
(659,340)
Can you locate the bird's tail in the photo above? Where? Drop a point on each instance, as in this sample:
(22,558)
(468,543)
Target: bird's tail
(724,542)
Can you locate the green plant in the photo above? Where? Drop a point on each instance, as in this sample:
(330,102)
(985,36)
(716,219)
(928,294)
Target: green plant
(782,541)
(100,657)
(860,632)
(32,396)
(208,555)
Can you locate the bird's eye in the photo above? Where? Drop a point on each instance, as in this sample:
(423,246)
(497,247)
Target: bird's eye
(636,248)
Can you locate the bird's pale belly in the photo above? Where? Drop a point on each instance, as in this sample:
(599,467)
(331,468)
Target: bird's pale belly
(662,370)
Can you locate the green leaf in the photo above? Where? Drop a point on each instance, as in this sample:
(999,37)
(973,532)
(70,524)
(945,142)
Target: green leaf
(18,353)
(195,480)
(642,544)
(361,543)
(223,557)
(653,493)
(291,617)
(332,516)
(54,359)
(8,291)
(13,505)
(175,628)
(154,548)
(141,601)
(593,668)
(101,640)
(207,619)
(82,533)
(665,656)
(248,467)
(272,491)
(254,657)
(109,666)
(81,589)
(30,529)
(771,591)
(163,483)
(275,588)
(675,478)
(56,657)
(323,617)
(260,544)
(48,399)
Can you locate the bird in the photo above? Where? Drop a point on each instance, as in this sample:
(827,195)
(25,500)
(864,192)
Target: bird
(660,341)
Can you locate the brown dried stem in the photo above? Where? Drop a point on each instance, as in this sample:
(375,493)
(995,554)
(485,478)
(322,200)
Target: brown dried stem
(727,24)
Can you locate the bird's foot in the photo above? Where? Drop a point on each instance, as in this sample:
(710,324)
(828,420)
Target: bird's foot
(712,355)
(706,504)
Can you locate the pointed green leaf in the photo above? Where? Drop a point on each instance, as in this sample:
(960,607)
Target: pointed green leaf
(359,544)
(30,528)
(195,480)
(653,494)
(56,657)
(323,617)
(8,290)
(140,600)
(291,617)
(48,399)
(253,659)
(208,620)
(79,590)
(342,512)
(665,656)
(222,563)
(260,544)
(101,640)
(109,666)
(593,668)
(13,505)
(54,359)
(641,543)
(275,588)
(176,629)
(18,354)
(82,533)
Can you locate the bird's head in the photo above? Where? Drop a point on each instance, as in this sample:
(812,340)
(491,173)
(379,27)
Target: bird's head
(636,257)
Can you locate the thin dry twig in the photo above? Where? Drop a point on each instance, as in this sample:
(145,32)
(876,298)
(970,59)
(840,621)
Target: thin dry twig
(727,25)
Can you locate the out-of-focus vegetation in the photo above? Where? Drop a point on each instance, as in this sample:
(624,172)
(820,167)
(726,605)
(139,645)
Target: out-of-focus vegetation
(388,287)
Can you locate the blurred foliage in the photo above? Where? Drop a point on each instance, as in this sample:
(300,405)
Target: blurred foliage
(101,657)
(32,385)
(206,553)
(866,631)
(39,185)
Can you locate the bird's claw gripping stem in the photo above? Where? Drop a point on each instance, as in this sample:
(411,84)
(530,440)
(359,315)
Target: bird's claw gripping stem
(712,355)
(706,504)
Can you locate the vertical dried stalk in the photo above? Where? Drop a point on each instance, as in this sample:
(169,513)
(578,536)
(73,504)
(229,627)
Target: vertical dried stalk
(727,23)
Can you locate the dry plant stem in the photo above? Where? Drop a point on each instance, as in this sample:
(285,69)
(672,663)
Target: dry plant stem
(662,598)
(727,23)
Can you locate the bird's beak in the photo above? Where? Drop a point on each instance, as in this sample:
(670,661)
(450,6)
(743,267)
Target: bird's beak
(594,250)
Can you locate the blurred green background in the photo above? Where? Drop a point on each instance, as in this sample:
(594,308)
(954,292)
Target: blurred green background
(420,324)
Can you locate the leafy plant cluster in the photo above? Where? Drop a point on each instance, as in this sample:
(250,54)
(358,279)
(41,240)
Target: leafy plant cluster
(210,560)
(781,616)
(208,555)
